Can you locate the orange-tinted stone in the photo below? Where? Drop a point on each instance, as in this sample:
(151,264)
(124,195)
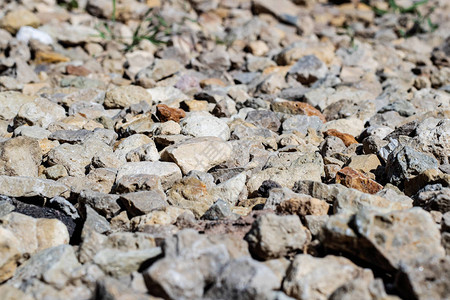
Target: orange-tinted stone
(348,139)
(353,179)
(77,70)
(297,108)
(166,113)
(211,81)
(50,57)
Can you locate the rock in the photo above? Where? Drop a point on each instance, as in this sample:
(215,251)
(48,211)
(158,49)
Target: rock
(296,108)
(133,143)
(365,163)
(146,152)
(433,197)
(303,205)
(50,57)
(15,19)
(161,69)
(434,139)
(361,289)
(54,265)
(351,126)
(21,186)
(317,278)
(232,190)
(199,153)
(426,280)
(301,124)
(308,69)
(243,278)
(121,263)
(9,254)
(134,183)
(11,103)
(191,193)
(35,234)
(195,267)
(405,162)
(390,241)
(123,96)
(140,203)
(331,145)
(283,10)
(218,211)
(352,178)
(20,156)
(346,138)
(105,204)
(167,171)
(166,113)
(273,236)
(346,200)
(201,124)
(41,112)
(264,118)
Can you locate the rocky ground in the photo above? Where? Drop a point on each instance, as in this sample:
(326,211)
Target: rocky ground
(234,149)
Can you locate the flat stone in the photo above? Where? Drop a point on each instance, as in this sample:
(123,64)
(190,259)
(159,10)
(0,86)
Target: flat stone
(167,171)
(166,113)
(346,138)
(201,124)
(303,205)
(22,186)
(352,178)
(20,156)
(124,96)
(40,112)
(296,108)
(200,153)
(140,203)
(11,102)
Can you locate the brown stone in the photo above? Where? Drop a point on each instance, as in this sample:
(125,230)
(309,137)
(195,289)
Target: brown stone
(194,105)
(348,139)
(304,205)
(353,179)
(276,69)
(50,58)
(166,113)
(211,81)
(77,70)
(297,108)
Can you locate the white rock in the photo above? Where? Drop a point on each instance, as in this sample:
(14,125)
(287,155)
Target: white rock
(167,171)
(200,153)
(199,124)
(27,33)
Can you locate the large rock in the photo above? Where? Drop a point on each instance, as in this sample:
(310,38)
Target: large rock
(433,137)
(21,186)
(390,241)
(405,162)
(193,260)
(273,236)
(200,153)
(124,96)
(311,278)
(20,156)
(167,171)
(10,102)
(41,112)
(140,203)
(201,124)
(54,266)
(35,234)
(243,278)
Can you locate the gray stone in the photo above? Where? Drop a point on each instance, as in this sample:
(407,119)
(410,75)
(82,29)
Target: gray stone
(302,123)
(40,112)
(120,263)
(134,183)
(218,211)
(105,204)
(405,162)
(11,102)
(403,107)
(308,69)
(433,137)
(264,118)
(273,236)
(53,265)
(190,258)
(93,222)
(390,241)
(65,206)
(20,156)
(143,202)
(70,136)
(35,132)
(243,278)
(124,96)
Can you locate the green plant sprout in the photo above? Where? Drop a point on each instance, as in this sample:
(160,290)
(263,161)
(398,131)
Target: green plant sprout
(419,20)
(156,28)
